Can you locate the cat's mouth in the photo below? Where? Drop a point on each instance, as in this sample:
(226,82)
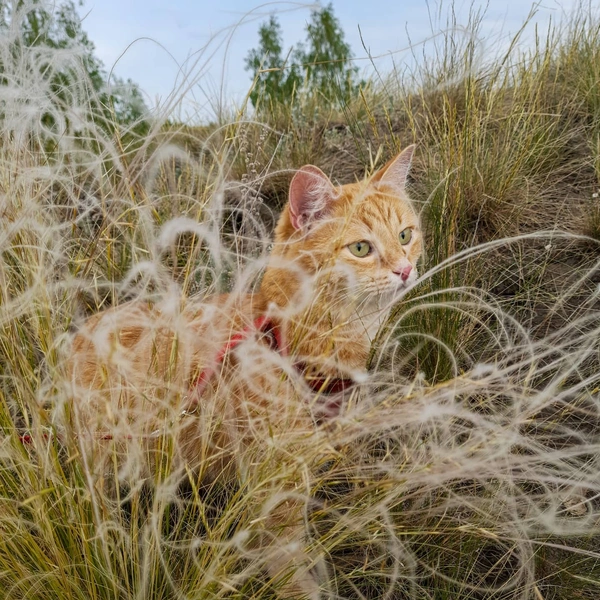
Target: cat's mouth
(392,286)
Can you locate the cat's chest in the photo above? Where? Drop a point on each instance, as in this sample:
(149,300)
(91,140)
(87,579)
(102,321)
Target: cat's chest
(371,315)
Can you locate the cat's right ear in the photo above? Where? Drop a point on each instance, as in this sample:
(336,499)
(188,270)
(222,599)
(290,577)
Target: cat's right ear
(311,192)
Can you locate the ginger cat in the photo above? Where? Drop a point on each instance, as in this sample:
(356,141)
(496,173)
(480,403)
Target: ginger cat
(240,369)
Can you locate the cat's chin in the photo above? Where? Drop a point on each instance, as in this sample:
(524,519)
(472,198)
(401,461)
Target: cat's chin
(403,287)
(394,293)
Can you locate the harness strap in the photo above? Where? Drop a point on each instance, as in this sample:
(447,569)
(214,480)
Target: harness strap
(327,386)
(262,325)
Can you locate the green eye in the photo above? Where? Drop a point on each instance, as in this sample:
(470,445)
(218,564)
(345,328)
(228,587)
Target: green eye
(360,249)
(405,236)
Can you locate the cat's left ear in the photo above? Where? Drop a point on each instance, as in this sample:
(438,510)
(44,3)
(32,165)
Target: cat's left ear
(395,172)
(311,194)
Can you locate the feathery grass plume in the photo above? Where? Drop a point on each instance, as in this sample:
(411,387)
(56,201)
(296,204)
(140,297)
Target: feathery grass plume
(467,463)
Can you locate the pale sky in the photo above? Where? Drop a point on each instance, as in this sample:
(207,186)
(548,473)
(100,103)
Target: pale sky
(202,45)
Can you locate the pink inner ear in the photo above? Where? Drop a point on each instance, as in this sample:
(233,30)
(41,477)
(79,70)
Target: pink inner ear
(397,172)
(310,194)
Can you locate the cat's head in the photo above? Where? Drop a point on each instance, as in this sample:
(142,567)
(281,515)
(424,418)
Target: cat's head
(366,232)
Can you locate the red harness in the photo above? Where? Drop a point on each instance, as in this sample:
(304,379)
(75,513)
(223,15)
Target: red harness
(323,386)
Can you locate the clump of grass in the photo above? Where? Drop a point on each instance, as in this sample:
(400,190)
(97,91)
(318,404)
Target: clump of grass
(468,466)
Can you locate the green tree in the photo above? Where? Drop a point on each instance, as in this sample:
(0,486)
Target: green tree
(26,25)
(328,58)
(276,79)
(323,65)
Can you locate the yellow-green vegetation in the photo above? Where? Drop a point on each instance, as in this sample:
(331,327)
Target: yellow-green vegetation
(473,471)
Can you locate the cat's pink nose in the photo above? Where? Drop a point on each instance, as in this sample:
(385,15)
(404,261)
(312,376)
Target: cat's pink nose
(404,272)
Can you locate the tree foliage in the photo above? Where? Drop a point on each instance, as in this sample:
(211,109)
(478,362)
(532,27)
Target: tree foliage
(37,23)
(328,58)
(277,78)
(322,65)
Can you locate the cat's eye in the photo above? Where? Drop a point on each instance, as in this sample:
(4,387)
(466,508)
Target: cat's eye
(405,236)
(360,249)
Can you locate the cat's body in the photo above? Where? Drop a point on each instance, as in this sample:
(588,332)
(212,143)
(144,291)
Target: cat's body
(341,255)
